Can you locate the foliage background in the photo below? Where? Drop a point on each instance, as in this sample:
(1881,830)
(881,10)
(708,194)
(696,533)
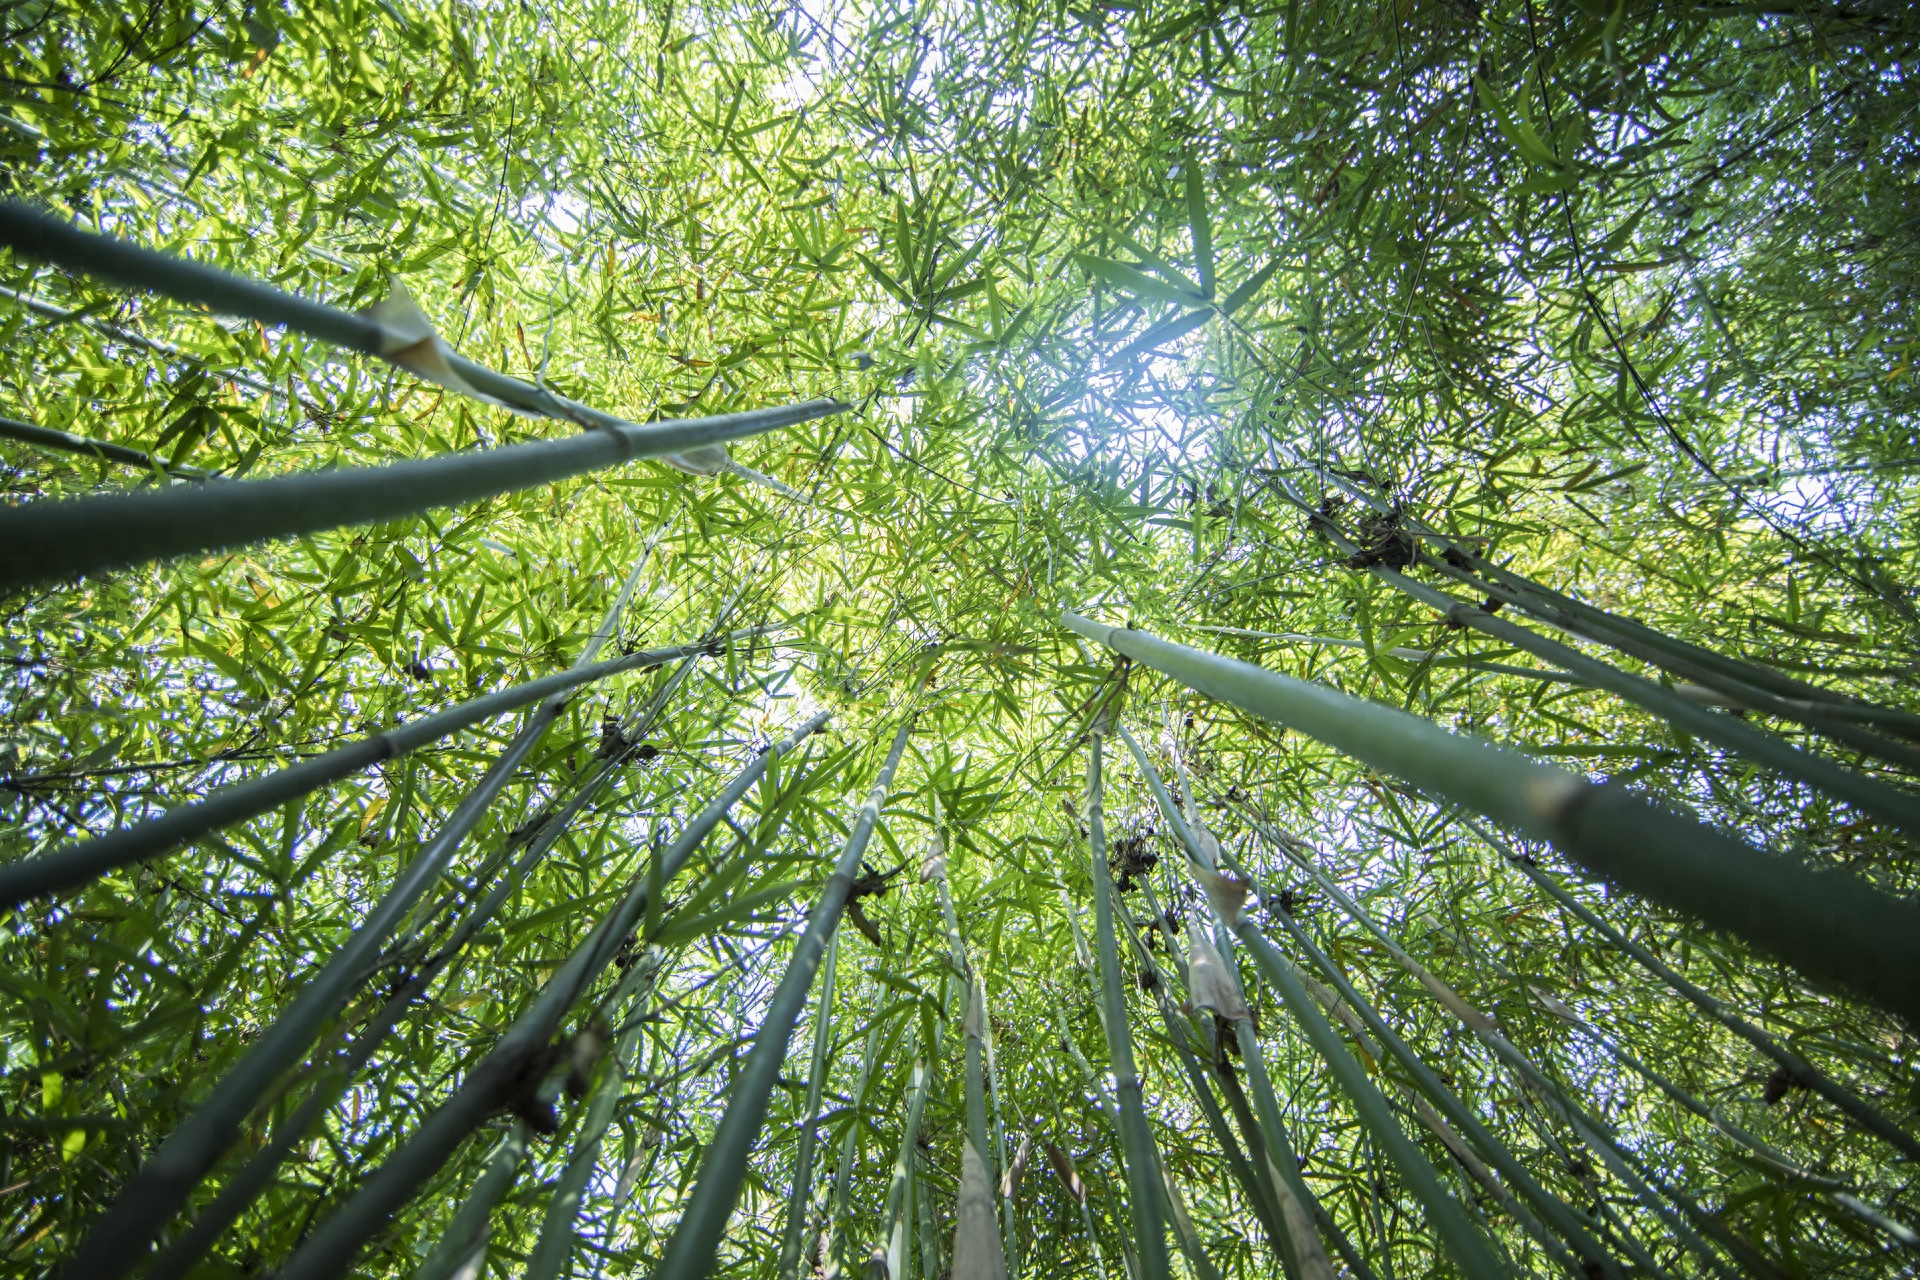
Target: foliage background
(1623,290)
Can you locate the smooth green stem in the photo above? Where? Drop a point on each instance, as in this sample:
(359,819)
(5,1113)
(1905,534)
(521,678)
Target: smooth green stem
(333,1246)
(1868,794)
(1143,1187)
(466,1234)
(1831,926)
(54,541)
(71,866)
(793,1233)
(105,450)
(689,1253)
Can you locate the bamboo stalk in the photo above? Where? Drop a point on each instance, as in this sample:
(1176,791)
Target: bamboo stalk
(1803,1072)
(332,1247)
(834,1263)
(793,1233)
(105,450)
(253,1177)
(165,350)
(466,1235)
(118,1239)
(689,1252)
(73,865)
(47,542)
(1832,927)
(1144,1193)
(555,1245)
(1865,793)
(1591,1131)
(1730,676)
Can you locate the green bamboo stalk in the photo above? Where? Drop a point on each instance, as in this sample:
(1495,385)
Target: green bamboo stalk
(555,1245)
(973,1026)
(1459,1236)
(466,1235)
(689,1252)
(253,1177)
(1467,1245)
(1803,1072)
(333,1246)
(900,1186)
(1758,1146)
(1832,927)
(835,1262)
(165,350)
(119,1238)
(105,450)
(76,864)
(1183,1228)
(793,1232)
(1865,793)
(1591,1131)
(1730,676)
(48,542)
(1136,1138)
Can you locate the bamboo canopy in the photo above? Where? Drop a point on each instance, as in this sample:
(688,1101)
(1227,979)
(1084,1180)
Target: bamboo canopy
(933,641)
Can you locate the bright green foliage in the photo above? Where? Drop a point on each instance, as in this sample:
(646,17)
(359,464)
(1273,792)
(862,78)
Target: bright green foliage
(1618,294)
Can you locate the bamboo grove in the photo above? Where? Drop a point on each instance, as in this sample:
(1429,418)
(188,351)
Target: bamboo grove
(925,640)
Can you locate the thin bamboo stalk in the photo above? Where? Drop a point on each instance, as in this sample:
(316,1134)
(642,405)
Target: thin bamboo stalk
(105,450)
(1591,1131)
(835,1262)
(1832,927)
(793,1232)
(118,1239)
(1867,794)
(466,1235)
(73,865)
(1143,1188)
(893,1220)
(689,1252)
(254,1176)
(1730,676)
(47,542)
(333,1246)
(1713,668)
(120,333)
(555,1245)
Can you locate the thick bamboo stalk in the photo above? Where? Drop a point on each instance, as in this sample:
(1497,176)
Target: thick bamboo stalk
(73,865)
(1144,1192)
(793,1232)
(1830,926)
(1803,1072)
(105,450)
(46,542)
(689,1252)
(333,1246)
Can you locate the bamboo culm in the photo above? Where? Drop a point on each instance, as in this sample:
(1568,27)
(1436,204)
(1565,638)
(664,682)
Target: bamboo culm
(118,1240)
(254,1176)
(104,450)
(1803,1072)
(1832,927)
(1143,1187)
(50,542)
(331,1249)
(689,1252)
(76,864)
(793,1233)
(1659,1200)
